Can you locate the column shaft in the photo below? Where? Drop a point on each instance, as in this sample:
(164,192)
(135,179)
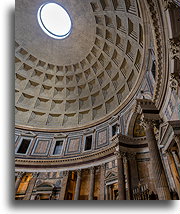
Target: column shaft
(121,179)
(176,160)
(168,169)
(110,192)
(91,189)
(78,185)
(134,178)
(64,185)
(126,166)
(174,172)
(156,164)
(107,193)
(102,182)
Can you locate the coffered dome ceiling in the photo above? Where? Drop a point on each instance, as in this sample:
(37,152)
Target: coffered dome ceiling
(84,78)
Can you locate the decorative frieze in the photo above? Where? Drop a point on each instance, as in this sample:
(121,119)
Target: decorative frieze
(175,47)
(174,83)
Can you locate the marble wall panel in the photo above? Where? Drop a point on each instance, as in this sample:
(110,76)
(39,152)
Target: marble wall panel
(102,137)
(41,147)
(73,145)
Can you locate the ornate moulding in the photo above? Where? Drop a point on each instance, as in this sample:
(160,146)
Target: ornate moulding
(157,23)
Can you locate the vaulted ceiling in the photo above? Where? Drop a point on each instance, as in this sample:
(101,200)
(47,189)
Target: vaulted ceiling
(87,76)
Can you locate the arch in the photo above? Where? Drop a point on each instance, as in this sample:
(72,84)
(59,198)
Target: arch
(45,185)
(130,127)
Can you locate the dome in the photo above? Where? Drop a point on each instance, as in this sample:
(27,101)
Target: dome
(97,103)
(85,78)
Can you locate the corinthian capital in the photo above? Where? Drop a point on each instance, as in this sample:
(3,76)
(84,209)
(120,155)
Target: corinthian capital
(20,174)
(79,172)
(120,154)
(35,174)
(103,166)
(92,169)
(150,120)
(65,173)
(170,4)
(131,156)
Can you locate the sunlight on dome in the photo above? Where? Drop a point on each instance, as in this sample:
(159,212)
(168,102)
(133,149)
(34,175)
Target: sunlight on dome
(54,20)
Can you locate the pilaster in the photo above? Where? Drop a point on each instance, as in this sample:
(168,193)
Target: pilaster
(120,174)
(102,182)
(64,185)
(91,189)
(78,185)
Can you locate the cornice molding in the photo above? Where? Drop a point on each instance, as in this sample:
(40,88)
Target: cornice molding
(160,50)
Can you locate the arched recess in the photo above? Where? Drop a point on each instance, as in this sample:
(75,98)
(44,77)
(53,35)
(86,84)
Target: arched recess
(135,129)
(130,129)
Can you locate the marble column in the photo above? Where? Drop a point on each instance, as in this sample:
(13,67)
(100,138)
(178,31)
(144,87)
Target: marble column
(107,193)
(176,160)
(30,186)
(120,175)
(64,185)
(102,182)
(134,178)
(18,180)
(78,185)
(177,139)
(91,187)
(127,177)
(174,172)
(157,169)
(110,193)
(166,159)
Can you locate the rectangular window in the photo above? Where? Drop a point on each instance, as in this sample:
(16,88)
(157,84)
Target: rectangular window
(58,147)
(24,146)
(114,130)
(88,143)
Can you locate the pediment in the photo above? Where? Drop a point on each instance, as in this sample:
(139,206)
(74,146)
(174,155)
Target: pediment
(60,135)
(111,176)
(28,133)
